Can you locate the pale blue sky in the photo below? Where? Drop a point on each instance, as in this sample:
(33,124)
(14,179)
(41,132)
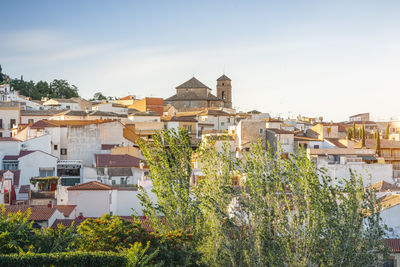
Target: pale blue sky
(328,58)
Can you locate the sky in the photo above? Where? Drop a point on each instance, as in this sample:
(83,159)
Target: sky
(315,58)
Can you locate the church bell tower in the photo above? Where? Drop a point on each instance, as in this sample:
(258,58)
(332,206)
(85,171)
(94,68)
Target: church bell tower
(224,90)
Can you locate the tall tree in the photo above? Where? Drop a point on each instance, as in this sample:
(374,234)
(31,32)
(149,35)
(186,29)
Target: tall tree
(287,213)
(353,133)
(387,131)
(377,143)
(2,78)
(99,96)
(62,89)
(363,136)
(169,160)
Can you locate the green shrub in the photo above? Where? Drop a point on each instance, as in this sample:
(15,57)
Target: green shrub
(64,259)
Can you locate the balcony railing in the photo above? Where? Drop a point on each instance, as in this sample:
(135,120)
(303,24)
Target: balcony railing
(43,194)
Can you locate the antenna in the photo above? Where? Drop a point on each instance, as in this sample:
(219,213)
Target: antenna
(223,70)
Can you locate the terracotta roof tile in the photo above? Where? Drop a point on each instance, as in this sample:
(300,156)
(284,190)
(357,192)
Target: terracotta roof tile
(192,83)
(65,209)
(335,142)
(9,139)
(383,186)
(393,243)
(90,186)
(38,213)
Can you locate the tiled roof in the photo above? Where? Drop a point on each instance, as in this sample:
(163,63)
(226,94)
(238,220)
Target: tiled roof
(279,131)
(49,112)
(390,201)
(65,209)
(192,83)
(108,146)
(357,115)
(64,123)
(180,118)
(9,139)
(383,186)
(107,114)
(16,175)
(214,112)
(107,160)
(192,96)
(78,113)
(68,222)
(24,189)
(305,138)
(223,78)
(38,213)
(64,100)
(22,153)
(90,186)
(370,143)
(335,142)
(272,120)
(393,244)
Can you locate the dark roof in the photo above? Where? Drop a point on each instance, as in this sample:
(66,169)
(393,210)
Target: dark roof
(24,189)
(49,112)
(22,153)
(79,113)
(16,175)
(68,222)
(223,78)
(192,96)
(141,113)
(370,143)
(9,139)
(279,131)
(108,146)
(90,186)
(120,171)
(192,83)
(107,160)
(108,114)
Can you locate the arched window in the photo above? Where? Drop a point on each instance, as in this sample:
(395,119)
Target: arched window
(223,95)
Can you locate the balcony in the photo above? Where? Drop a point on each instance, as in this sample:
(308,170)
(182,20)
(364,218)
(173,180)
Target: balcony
(42,195)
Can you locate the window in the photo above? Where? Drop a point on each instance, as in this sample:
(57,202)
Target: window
(222,123)
(10,164)
(113,182)
(223,84)
(55,147)
(1,124)
(316,146)
(45,172)
(261,131)
(12,122)
(1,134)
(228,120)
(68,107)
(63,151)
(223,94)
(30,121)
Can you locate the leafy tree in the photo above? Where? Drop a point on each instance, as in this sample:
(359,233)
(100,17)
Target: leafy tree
(287,213)
(99,96)
(16,232)
(109,233)
(169,160)
(59,239)
(2,76)
(62,89)
(387,131)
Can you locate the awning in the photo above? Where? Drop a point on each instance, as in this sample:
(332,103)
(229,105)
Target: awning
(372,158)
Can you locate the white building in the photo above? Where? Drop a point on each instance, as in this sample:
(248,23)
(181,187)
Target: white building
(9,117)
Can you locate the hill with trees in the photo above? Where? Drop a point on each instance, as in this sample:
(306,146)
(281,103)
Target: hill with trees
(58,88)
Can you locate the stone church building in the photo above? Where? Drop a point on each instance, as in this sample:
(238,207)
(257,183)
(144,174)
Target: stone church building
(194,94)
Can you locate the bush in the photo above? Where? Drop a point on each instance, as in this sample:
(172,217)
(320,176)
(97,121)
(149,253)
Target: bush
(65,259)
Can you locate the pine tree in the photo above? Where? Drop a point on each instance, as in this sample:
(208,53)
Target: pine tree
(353,134)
